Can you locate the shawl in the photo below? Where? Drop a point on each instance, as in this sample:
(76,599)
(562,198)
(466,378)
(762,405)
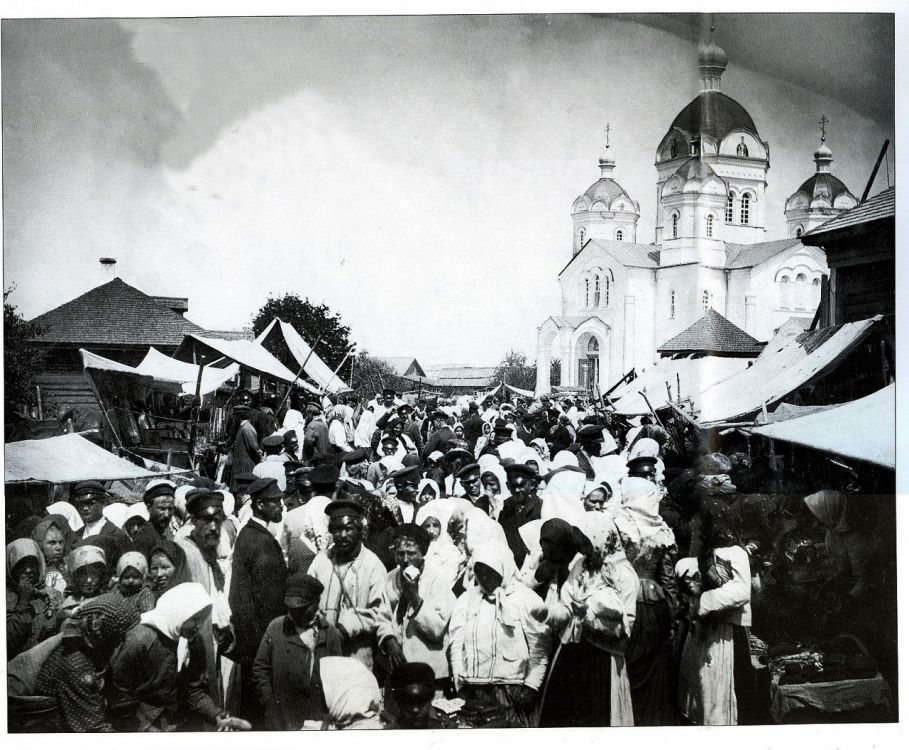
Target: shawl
(133,560)
(115,513)
(564,458)
(54,521)
(16,552)
(829,507)
(86,554)
(175,607)
(69,512)
(351,691)
(641,503)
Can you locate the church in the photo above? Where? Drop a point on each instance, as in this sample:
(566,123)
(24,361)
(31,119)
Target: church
(621,299)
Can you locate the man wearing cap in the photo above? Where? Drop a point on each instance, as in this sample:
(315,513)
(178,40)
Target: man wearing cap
(258,574)
(355,467)
(159,500)
(205,508)
(416,607)
(523,506)
(386,404)
(286,667)
(315,436)
(409,693)
(354,580)
(503,443)
(452,462)
(291,446)
(245,452)
(598,454)
(89,499)
(272,466)
(469,478)
(440,436)
(644,461)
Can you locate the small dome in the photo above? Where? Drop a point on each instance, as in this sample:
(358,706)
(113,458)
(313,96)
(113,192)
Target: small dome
(823,152)
(606,158)
(606,190)
(711,55)
(821,188)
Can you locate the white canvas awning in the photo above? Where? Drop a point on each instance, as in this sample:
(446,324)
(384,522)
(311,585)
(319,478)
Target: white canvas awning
(691,374)
(321,374)
(176,375)
(66,458)
(247,353)
(864,429)
(779,371)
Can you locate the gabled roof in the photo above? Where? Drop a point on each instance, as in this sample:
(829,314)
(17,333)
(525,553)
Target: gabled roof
(403,365)
(749,256)
(715,335)
(880,206)
(629,254)
(115,313)
(463,377)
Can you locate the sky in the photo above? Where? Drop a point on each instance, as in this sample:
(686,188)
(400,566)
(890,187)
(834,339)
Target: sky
(415,174)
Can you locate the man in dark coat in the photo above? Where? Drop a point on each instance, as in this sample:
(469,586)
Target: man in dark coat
(160,501)
(89,499)
(523,506)
(258,577)
(473,425)
(441,437)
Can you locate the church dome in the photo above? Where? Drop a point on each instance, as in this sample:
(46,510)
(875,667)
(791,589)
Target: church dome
(711,55)
(821,189)
(606,191)
(711,114)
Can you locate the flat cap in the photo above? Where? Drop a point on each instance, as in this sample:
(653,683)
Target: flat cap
(273,441)
(590,433)
(523,470)
(158,488)
(471,468)
(355,456)
(413,682)
(86,490)
(200,499)
(301,589)
(408,472)
(325,474)
(340,508)
(289,435)
(457,453)
(412,531)
(265,488)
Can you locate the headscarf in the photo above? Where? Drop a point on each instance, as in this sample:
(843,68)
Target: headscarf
(309,523)
(175,607)
(86,554)
(18,550)
(542,444)
(101,621)
(562,496)
(564,458)
(173,552)
(441,509)
(180,499)
(487,461)
(496,556)
(229,502)
(614,487)
(133,560)
(115,513)
(569,541)
(641,500)
(829,507)
(432,484)
(54,521)
(351,691)
(68,511)
(136,510)
(293,420)
(603,534)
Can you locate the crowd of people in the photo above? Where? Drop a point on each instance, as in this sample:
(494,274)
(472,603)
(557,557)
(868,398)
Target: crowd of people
(383,564)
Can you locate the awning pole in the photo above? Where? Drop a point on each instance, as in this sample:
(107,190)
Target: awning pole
(297,376)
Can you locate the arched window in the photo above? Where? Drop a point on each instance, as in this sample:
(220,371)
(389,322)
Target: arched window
(710,225)
(798,231)
(706,300)
(785,292)
(801,292)
(593,346)
(606,284)
(582,234)
(673,150)
(672,303)
(596,290)
(741,149)
(675,225)
(815,292)
(746,209)
(619,235)
(729,199)
(586,292)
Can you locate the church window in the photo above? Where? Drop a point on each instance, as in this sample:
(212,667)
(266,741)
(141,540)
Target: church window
(741,149)
(593,346)
(582,234)
(815,292)
(672,304)
(706,300)
(710,225)
(673,150)
(606,285)
(619,234)
(785,300)
(801,292)
(798,231)
(586,292)
(746,209)
(729,199)
(675,225)
(596,290)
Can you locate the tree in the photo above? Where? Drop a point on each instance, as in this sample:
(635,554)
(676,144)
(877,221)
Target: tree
(313,322)
(371,375)
(21,359)
(515,371)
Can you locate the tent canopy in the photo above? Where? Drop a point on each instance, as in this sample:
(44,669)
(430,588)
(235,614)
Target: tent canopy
(66,458)
(170,374)
(863,429)
(316,369)
(692,375)
(779,371)
(249,354)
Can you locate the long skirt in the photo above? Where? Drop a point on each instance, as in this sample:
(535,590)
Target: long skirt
(706,675)
(648,658)
(587,687)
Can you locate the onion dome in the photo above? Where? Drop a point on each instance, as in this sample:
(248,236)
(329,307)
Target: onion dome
(822,189)
(712,62)
(606,191)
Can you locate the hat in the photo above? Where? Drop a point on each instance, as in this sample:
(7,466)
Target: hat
(408,472)
(590,433)
(412,682)
(355,456)
(435,456)
(273,441)
(158,488)
(388,392)
(501,426)
(524,470)
(714,463)
(291,466)
(458,453)
(301,589)
(344,508)
(325,474)
(415,532)
(313,405)
(438,414)
(290,434)
(199,499)
(86,491)
(265,488)
(404,407)
(645,449)
(468,469)
(245,479)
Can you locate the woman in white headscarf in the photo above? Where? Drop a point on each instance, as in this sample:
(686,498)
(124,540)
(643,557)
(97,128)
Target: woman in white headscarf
(600,494)
(352,695)
(158,674)
(588,683)
(31,605)
(499,644)
(69,512)
(563,458)
(443,555)
(563,493)
(495,485)
(116,513)
(651,549)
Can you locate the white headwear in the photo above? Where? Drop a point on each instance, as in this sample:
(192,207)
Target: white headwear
(68,511)
(350,688)
(115,513)
(175,607)
(136,510)
(564,458)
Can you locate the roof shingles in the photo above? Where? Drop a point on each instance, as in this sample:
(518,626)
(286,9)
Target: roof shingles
(713,334)
(880,206)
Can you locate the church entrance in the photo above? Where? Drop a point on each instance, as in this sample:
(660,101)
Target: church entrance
(589,365)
